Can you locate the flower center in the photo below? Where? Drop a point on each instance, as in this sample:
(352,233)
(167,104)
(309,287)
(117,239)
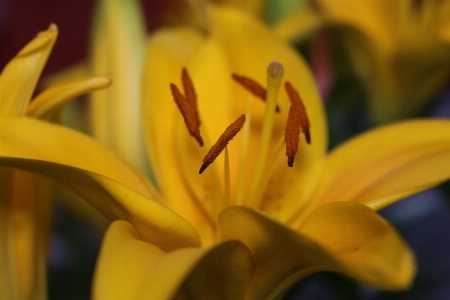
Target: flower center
(297,122)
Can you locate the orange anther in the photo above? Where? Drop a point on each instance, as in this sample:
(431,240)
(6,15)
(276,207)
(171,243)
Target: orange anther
(301,110)
(189,93)
(187,112)
(222,142)
(291,134)
(253,87)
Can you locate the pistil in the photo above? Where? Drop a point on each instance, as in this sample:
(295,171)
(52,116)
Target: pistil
(275,73)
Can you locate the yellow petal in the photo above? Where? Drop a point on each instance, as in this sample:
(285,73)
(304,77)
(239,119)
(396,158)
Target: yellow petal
(8,275)
(31,212)
(224,272)
(118,48)
(255,7)
(48,104)
(249,47)
(168,51)
(94,172)
(444,33)
(23,137)
(129,268)
(77,70)
(282,256)
(19,78)
(25,216)
(387,164)
(373,18)
(366,246)
(298,25)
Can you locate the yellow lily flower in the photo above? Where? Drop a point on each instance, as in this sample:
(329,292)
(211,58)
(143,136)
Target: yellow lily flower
(399,49)
(25,198)
(292,223)
(263,226)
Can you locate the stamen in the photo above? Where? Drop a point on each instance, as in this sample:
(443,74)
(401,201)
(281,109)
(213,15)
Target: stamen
(222,142)
(292,133)
(253,87)
(188,113)
(301,110)
(189,93)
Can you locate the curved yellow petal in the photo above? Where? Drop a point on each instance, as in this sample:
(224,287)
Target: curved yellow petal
(129,268)
(283,257)
(249,47)
(366,247)
(224,272)
(27,138)
(118,48)
(77,70)
(19,78)
(154,222)
(48,104)
(95,173)
(387,164)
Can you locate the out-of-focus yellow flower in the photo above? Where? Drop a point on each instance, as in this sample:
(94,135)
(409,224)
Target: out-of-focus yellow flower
(118,48)
(269,10)
(399,49)
(250,227)
(25,199)
(113,116)
(255,7)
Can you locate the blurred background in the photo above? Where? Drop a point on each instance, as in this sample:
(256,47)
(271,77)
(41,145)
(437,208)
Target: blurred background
(424,220)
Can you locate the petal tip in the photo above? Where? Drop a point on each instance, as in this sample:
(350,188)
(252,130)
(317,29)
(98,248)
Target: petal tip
(52,27)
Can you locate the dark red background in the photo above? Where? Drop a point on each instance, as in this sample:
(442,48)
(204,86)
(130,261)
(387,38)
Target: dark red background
(21,20)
